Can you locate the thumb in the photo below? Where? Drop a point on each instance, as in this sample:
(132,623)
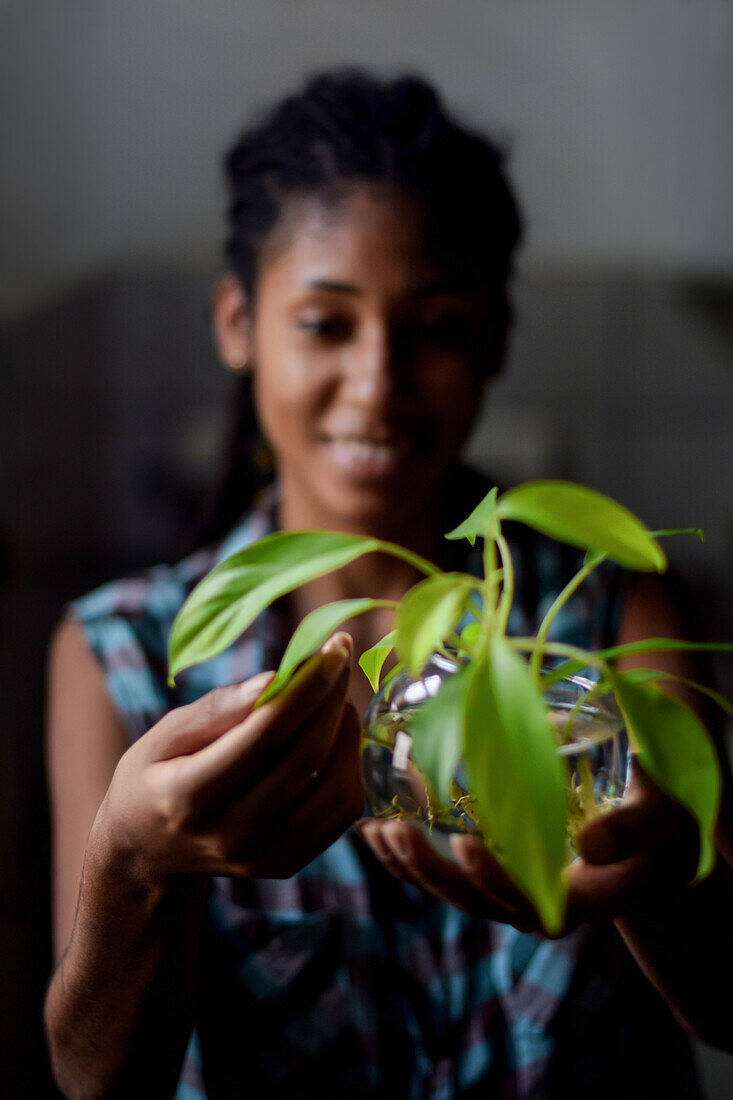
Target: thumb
(640,826)
(189,728)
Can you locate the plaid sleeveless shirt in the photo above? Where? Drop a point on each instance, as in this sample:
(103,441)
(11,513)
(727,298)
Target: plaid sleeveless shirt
(342,980)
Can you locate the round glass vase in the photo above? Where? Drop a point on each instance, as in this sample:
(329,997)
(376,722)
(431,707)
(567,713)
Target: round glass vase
(590,734)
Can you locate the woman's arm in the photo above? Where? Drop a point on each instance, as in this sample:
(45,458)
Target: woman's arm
(194,796)
(126,949)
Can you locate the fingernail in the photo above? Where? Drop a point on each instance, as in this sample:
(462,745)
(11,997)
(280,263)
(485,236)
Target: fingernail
(464,853)
(398,843)
(250,690)
(374,839)
(338,642)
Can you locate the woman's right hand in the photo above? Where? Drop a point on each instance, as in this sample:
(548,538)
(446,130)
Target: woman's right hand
(217,787)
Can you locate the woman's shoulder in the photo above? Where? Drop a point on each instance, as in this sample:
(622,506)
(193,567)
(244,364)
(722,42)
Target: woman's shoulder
(157,593)
(127,622)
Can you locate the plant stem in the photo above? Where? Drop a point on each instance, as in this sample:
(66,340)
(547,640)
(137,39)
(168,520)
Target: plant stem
(420,563)
(491,589)
(490,572)
(507,591)
(646,645)
(562,597)
(559,649)
(697,531)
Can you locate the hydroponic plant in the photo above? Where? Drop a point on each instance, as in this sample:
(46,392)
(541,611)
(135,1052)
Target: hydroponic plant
(491,716)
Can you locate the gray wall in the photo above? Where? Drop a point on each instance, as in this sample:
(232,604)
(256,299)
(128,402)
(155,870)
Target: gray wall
(114,117)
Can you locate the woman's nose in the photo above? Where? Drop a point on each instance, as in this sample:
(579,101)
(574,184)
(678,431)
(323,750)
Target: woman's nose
(372,369)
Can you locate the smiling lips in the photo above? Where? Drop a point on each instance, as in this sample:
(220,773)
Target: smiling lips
(365,458)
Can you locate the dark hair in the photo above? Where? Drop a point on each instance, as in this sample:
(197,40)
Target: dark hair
(347,127)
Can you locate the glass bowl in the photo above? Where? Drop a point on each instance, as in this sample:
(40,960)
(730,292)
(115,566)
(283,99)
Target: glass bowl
(592,741)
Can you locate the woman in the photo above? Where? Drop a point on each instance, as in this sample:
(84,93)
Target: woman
(365,305)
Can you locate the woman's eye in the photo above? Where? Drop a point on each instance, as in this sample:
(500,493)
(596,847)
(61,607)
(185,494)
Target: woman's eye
(452,330)
(325,327)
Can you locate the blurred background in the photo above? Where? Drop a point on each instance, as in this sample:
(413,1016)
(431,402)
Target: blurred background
(620,375)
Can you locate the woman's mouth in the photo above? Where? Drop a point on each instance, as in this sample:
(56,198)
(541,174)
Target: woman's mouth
(366,459)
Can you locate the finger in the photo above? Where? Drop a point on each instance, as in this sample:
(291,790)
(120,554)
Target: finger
(273,794)
(486,873)
(653,825)
(371,833)
(601,893)
(191,727)
(250,747)
(324,812)
(443,878)
(628,855)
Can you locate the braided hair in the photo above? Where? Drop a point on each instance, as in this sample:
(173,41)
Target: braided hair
(344,128)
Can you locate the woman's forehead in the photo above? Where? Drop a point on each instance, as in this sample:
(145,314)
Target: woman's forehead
(364,237)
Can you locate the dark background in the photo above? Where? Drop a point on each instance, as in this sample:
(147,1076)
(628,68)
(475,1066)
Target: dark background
(112,405)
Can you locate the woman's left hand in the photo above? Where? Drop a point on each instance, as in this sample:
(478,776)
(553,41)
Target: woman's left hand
(648,842)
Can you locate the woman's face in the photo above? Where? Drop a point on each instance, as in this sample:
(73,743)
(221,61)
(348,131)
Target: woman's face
(370,358)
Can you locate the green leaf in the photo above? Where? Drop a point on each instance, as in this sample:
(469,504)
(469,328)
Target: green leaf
(309,635)
(372,660)
(518,778)
(674,748)
(482,521)
(645,675)
(436,729)
(231,597)
(584,518)
(470,635)
(395,671)
(427,614)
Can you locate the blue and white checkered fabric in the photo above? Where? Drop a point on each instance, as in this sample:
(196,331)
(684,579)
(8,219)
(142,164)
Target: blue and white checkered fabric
(342,981)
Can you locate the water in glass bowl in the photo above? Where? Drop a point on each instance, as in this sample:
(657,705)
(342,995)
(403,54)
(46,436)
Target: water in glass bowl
(590,734)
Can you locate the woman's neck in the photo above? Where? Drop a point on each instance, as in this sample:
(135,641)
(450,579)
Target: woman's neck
(380,576)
